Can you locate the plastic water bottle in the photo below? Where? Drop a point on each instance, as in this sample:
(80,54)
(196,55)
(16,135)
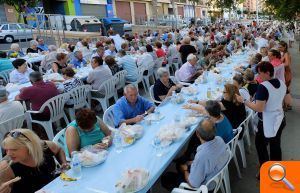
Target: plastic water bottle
(76,165)
(174,97)
(158,147)
(117,140)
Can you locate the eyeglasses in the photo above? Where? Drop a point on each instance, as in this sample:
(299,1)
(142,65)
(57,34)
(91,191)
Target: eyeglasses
(16,134)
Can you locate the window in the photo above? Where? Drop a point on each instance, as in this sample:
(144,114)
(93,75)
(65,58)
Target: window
(4,27)
(13,27)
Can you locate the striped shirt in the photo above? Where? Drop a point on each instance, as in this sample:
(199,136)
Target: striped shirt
(129,64)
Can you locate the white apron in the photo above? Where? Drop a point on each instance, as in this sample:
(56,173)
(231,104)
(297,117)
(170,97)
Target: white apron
(273,113)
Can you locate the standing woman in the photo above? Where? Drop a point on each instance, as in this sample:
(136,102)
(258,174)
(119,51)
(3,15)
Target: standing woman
(268,103)
(286,60)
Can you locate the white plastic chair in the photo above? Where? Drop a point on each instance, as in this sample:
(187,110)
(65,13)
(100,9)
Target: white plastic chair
(56,109)
(157,64)
(151,92)
(7,126)
(245,137)
(120,79)
(150,72)
(232,144)
(220,179)
(59,140)
(81,97)
(140,79)
(108,117)
(5,75)
(110,91)
(180,82)
(202,189)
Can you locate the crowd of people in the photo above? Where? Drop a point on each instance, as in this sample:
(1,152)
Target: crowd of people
(263,86)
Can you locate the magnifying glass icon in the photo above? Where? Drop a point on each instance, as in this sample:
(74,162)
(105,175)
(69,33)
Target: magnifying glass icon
(277,173)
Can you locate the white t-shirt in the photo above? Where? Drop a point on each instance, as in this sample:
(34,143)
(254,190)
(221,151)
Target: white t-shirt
(10,109)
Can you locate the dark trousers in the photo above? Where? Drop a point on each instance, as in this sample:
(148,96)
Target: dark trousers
(261,143)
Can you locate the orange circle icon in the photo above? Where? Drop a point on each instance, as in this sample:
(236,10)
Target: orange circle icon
(277,172)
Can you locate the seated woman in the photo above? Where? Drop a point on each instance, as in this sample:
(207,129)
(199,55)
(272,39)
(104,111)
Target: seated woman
(15,51)
(238,81)
(151,52)
(160,52)
(5,63)
(61,62)
(85,131)
(112,64)
(32,159)
(70,81)
(251,84)
(164,86)
(33,47)
(21,72)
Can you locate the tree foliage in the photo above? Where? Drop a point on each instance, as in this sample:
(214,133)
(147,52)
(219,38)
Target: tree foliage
(221,4)
(284,9)
(19,5)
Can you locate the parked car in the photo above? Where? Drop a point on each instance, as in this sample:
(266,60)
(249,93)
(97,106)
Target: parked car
(9,32)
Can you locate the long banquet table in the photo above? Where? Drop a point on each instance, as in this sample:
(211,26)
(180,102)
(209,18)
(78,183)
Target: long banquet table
(142,154)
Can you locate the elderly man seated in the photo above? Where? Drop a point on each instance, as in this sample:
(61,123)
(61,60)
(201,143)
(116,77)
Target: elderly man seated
(78,60)
(50,58)
(145,59)
(38,94)
(205,164)
(9,109)
(188,71)
(131,108)
(42,46)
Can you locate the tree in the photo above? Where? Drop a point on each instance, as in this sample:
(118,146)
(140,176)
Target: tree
(284,9)
(20,5)
(239,12)
(246,12)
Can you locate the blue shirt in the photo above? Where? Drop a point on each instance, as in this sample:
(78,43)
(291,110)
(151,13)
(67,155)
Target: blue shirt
(129,64)
(43,47)
(207,164)
(224,129)
(5,64)
(78,63)
(123,110)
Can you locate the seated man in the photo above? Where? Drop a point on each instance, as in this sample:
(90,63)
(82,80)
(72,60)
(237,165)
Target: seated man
(42,46)
(128,64)
(205,164)
(48,60)
(100,74)
(78,60)
(9,109)
(38,94)
(131,108)
(111,51)
(223,126)
(188,71)
(21,72)
(145,59)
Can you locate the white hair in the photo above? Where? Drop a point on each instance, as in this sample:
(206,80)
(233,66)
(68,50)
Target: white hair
(14,46)
(33,43)
(186,40)
(161,71)
(130,87)
(52,48)
(191,57)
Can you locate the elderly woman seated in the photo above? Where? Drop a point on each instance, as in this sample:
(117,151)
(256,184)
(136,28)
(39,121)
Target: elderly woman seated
(31,159)
(33,47)
(70,81)
(164,86)
(85,131)
(60,63)
(15,51)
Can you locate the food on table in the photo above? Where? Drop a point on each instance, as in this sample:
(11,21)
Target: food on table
(170,133)
(129,131)
(189,90)
(92,157)
(65,177)
(132,180)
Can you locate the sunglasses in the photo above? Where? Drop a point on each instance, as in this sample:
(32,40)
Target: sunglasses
(17,134)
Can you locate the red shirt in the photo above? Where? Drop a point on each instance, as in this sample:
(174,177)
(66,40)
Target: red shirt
(38,94)
(161,54)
